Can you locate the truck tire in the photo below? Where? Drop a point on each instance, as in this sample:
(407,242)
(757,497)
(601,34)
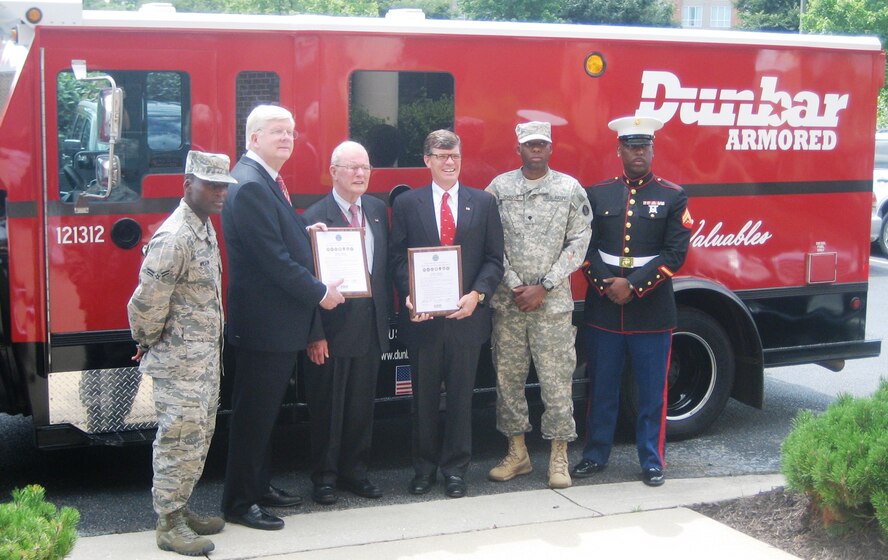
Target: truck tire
(883,236)
(700,377)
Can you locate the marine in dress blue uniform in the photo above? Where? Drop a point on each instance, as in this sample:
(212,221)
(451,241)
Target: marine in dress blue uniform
(640,235)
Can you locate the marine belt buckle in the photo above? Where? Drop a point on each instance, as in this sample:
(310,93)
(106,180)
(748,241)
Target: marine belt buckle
(627,262)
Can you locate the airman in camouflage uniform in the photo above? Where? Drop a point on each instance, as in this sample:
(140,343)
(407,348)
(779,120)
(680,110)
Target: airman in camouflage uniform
(545,217)
(175,316)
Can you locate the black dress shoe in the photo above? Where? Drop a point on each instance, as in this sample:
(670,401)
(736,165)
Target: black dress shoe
(324,494)
(362,487)
(275,497)
(653,477)
(455,486)
(586,468)
(421,484)
(256,518)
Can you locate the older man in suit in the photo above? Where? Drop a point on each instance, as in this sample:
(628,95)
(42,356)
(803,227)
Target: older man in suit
(446,348)
(272,296)
(346,342)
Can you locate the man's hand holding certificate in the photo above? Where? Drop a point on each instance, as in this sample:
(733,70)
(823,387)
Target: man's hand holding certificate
(340,253)
(435,280)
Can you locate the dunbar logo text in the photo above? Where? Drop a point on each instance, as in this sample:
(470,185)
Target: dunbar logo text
(762,119)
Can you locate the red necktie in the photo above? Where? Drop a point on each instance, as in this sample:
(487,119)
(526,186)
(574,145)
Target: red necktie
(354,221)
(280,182)
(448,228)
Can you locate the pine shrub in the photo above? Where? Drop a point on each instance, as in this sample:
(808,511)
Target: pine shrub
(840,458)
(33,529)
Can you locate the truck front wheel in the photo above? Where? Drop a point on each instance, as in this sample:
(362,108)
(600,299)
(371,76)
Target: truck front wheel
(883,236)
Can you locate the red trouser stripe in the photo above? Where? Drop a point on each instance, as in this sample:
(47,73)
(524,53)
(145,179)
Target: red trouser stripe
(661,445)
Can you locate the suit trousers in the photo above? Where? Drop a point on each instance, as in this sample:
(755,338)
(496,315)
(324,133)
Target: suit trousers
(340,395)
(260,383)
(649,354)
(446,358)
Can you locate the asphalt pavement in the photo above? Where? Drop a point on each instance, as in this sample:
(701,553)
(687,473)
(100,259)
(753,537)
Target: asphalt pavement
(624,520)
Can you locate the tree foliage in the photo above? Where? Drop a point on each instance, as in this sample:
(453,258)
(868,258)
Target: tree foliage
(280,7)
(515,10)
(768,15)
(619,12)
(857,17)
(111,4)
(860,17)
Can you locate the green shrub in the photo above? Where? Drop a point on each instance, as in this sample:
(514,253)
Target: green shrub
(33,529)
(840,458)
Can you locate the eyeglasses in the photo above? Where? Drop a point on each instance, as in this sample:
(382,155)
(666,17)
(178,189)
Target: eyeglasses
(353,167)
(283,132)
(445,157)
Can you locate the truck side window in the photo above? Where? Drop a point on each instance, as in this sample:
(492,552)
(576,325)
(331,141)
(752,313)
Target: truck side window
(163,111)
(155,132)
(391,113)
(251,89)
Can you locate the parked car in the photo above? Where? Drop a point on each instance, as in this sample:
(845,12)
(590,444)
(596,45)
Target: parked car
(879,222)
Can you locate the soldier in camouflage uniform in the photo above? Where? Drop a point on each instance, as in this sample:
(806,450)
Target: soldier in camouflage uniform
(175,316)
(545,217)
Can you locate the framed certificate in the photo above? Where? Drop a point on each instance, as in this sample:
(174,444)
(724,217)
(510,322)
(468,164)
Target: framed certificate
(435,275)
(340,253)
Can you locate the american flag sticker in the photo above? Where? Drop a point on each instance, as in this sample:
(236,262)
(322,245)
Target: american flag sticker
(403,384)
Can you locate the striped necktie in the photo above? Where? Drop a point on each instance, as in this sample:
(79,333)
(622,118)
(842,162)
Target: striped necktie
(354,221)
(280,182)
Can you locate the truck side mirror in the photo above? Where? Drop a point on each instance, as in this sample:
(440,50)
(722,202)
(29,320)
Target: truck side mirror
(110,111)
(107,171)
(111,103)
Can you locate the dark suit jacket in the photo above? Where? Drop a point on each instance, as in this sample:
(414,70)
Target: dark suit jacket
(272,291)
(479,232)
(345,327)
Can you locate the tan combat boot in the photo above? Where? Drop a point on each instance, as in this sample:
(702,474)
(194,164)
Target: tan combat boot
(174,535)
(516,461)
(203,524)
(558,473)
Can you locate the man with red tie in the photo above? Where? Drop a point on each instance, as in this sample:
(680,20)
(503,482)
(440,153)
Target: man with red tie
(446,348)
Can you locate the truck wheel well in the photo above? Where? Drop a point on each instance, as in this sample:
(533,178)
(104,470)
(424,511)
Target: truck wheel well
(727,309)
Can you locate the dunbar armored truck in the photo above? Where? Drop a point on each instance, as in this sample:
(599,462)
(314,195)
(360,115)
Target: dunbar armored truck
(771,135)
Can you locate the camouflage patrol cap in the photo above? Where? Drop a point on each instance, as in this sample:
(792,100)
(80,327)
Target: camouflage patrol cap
(533,130)
(209,167)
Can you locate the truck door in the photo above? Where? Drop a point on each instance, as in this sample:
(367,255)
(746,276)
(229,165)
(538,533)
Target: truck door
(93,243)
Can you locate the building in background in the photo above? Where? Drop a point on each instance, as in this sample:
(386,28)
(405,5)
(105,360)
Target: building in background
(706,14)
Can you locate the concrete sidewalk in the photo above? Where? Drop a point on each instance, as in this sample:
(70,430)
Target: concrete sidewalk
(629,520)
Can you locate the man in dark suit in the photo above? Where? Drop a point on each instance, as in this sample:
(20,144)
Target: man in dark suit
(446,348)
(272,296)
(346,342)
